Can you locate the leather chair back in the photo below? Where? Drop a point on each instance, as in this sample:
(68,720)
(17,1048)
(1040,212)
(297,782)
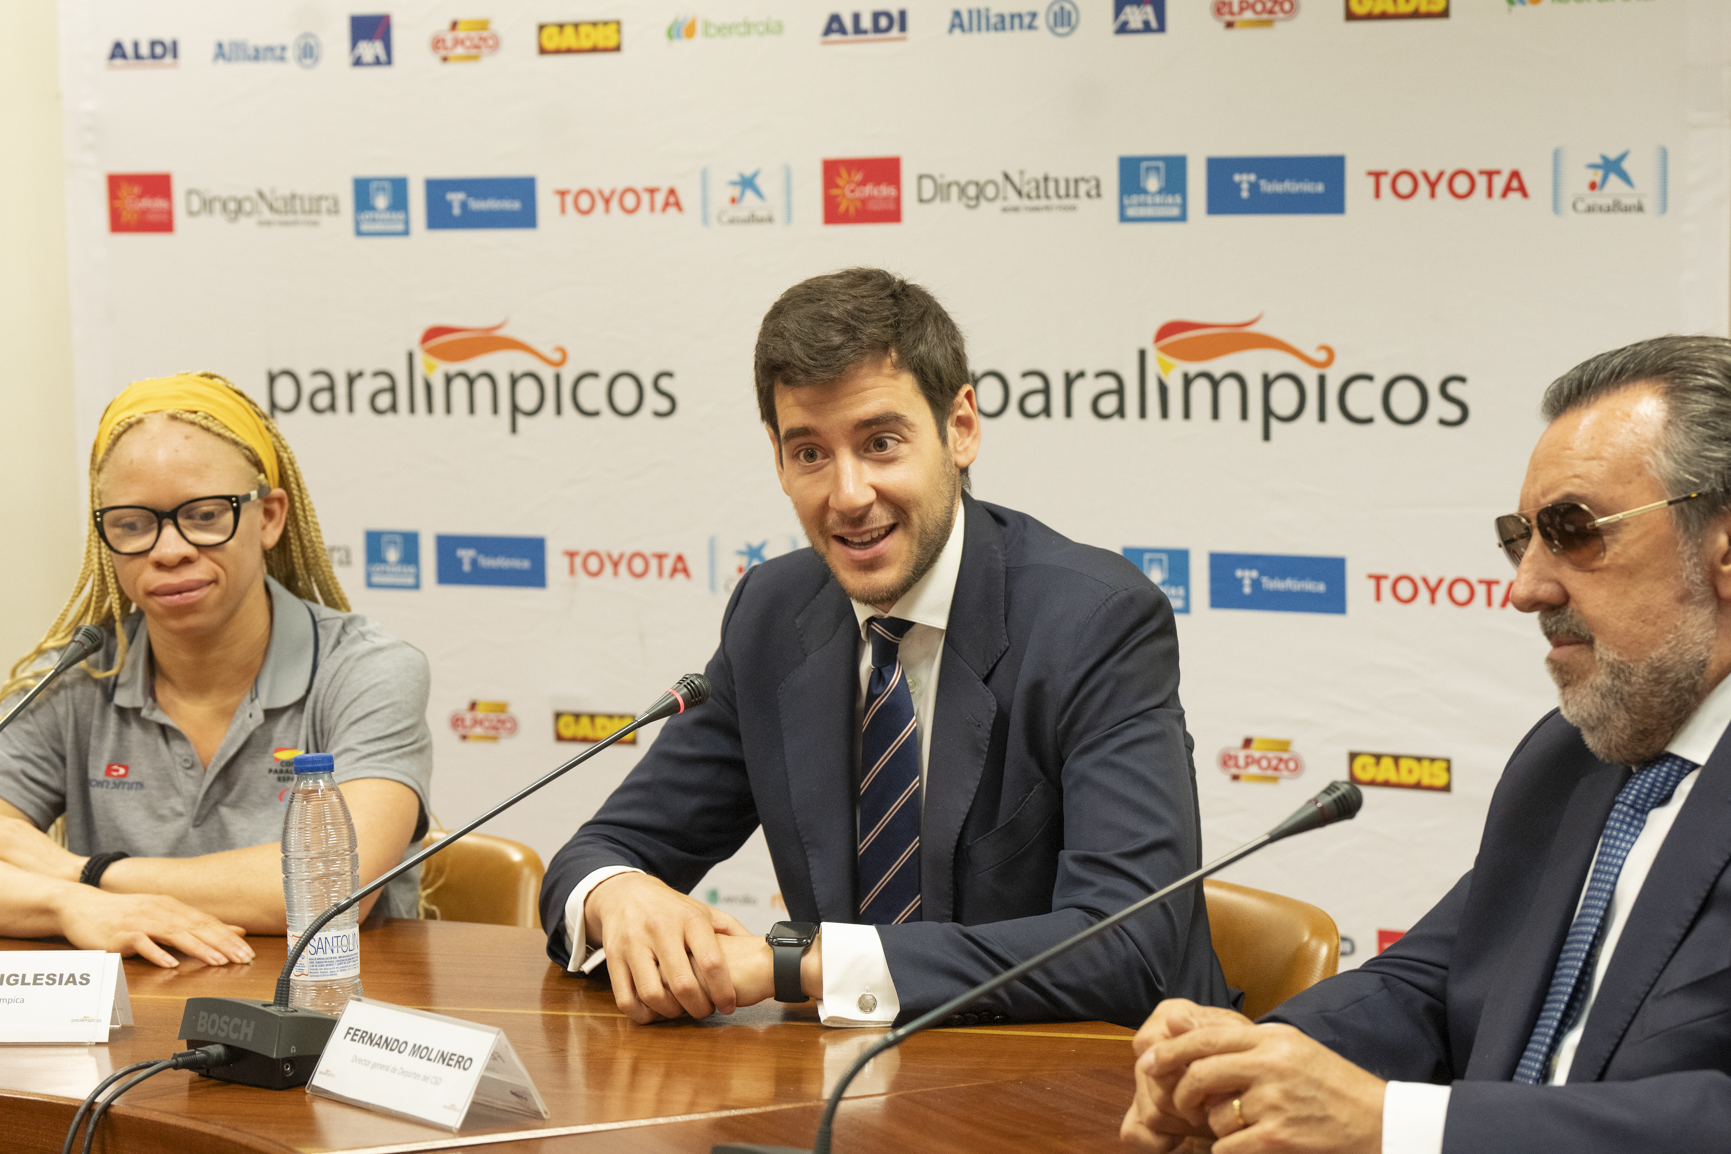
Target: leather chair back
(1270,946)
(482,879)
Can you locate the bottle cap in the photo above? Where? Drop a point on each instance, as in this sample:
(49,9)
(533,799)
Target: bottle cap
(314,763)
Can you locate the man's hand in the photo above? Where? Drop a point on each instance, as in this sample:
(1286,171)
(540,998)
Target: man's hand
(1267,1088)
(28,848)
(662,951)
(134,923)
(1153,1122)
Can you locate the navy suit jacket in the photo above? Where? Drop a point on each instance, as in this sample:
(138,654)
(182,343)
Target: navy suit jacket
(1059,785)
(1455,1000)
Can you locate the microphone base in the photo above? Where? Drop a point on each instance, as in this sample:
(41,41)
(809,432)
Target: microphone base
(278,1046)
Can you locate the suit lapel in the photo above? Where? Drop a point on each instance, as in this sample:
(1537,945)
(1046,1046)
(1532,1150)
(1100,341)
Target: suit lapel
(976,637)
(1507,1020)
(817,703)
(1691,859)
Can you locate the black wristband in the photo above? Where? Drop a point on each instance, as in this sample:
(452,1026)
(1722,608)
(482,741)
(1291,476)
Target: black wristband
(96,865)
(788,942)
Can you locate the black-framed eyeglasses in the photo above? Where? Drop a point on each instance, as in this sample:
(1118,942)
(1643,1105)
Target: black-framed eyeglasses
(1569,528)
(202,521)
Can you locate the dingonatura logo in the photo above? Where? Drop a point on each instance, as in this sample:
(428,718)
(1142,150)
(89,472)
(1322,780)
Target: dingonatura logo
(1285,396)
(527,393)
(484,721)
(569,725)
(1402,771)
(1264,759)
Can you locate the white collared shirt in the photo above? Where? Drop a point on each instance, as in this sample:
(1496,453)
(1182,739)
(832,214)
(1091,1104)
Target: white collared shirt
(1413,1113)
(857,987)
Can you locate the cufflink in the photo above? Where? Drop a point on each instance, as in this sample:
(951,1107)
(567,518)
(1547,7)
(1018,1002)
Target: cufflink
(867,1003)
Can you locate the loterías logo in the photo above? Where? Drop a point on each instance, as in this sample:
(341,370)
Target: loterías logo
(863,191)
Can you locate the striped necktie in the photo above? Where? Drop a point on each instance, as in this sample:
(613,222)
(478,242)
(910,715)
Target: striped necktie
(889,790)
(1651,787)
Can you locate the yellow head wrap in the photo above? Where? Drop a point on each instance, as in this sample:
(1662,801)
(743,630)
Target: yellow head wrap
(190,393)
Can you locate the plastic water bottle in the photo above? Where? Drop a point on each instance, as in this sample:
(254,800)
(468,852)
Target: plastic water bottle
(320,868)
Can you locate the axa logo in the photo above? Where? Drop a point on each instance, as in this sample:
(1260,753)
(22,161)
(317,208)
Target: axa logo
(867,190)
(370,41)
(484,721)
(131,54)
(1132,17)
(1447,183)
(465,41)
(1406,398)
(1264,759)
(879,26)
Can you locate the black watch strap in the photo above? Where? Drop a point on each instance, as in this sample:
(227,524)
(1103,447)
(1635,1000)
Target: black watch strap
(789,941)
(96,865)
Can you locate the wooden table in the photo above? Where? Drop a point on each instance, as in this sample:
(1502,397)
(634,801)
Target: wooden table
(760,1075)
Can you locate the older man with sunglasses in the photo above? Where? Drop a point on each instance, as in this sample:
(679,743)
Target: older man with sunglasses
(1573,991)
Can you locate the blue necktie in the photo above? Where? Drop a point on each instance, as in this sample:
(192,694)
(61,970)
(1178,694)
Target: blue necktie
(1651,787)
(889,790)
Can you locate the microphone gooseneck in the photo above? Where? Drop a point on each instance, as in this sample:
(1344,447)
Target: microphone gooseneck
(87,639)
(1339,801)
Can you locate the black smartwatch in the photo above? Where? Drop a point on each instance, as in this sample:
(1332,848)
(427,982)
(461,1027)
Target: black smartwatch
(790,941)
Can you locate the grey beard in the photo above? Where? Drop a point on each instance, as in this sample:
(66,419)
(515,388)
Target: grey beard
(1628,710)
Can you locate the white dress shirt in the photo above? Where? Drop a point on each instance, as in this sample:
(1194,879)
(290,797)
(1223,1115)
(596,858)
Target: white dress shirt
(857,987)
(1413,1113)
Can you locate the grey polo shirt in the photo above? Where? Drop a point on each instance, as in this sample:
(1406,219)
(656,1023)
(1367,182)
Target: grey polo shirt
(104,754)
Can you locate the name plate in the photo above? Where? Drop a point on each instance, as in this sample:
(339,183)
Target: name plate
(61,996)
(422,1066)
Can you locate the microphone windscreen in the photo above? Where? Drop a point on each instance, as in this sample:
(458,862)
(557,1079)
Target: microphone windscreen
(1338,801)
(693,689)
(88,638)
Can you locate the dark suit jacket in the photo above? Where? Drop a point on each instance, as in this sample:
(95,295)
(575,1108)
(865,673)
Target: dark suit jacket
(1456,998)
(1059,787)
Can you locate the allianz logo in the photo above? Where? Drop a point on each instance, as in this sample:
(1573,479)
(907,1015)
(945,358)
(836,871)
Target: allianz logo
(1013,192)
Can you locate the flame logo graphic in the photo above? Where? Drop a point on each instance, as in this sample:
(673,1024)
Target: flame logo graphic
(844,203)
(1195,341)
(448,344)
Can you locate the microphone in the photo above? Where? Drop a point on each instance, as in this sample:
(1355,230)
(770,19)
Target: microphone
(1338,801)
(276,1045)
(87,639)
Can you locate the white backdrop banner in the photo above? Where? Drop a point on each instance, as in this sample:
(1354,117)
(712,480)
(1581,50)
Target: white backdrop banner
(1261,293)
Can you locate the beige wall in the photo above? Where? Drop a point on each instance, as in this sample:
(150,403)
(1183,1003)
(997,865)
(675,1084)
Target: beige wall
(38,458)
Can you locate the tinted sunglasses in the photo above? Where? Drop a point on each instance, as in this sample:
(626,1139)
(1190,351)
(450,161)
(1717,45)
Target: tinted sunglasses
(1569,528)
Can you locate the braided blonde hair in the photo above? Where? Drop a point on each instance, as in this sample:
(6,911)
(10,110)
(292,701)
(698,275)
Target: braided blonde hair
(298,560)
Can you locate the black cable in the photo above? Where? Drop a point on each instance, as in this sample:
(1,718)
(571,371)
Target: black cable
(90,1100)
(202,1058)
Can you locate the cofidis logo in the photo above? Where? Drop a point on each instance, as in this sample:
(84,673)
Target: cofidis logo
(578,37)
(1276,582)
(370,41)
(880,26)
(1276,185)
(1402,771)
(1167,568)
(140,202)
(393,559)
(481,202)
(381,206)
(1152,188)
(1264,759)
(518,561)
(866,190)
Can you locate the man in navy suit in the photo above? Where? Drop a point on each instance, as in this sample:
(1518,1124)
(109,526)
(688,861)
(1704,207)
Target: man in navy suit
(960,731)
(1573,991)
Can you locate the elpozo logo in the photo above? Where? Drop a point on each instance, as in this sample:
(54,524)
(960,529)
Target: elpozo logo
(591,727)
(465,41)
(1402,771)
(1253,13)
(475,391)
(1261,759)
(578,37)
(490,721)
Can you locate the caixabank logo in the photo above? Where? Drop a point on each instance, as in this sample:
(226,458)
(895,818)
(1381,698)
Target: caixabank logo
(1257,364)
(732,558)
(140,202)
(1401,771)
(863,190)
(1613,182)
(754,195)
(1260,759)
(506,386)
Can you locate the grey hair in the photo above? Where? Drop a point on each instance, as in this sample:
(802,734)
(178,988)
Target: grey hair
(1694,377)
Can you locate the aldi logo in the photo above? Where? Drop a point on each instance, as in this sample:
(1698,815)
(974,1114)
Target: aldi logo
(1276,582)
(130,54)
(1131,17)
(863,191)
(370,41)
(381,206)
(877,27)
(140,202)
(481,202)
(1276,185)
(393,559)
(1152,188)
(493,561)
(1167,568)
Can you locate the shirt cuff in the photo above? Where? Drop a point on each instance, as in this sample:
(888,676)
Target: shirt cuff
(584,958)
(857,987)
(1413,1114)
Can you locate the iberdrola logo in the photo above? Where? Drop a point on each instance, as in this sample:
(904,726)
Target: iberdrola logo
(1193,342)
(450,344)
(682,28)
